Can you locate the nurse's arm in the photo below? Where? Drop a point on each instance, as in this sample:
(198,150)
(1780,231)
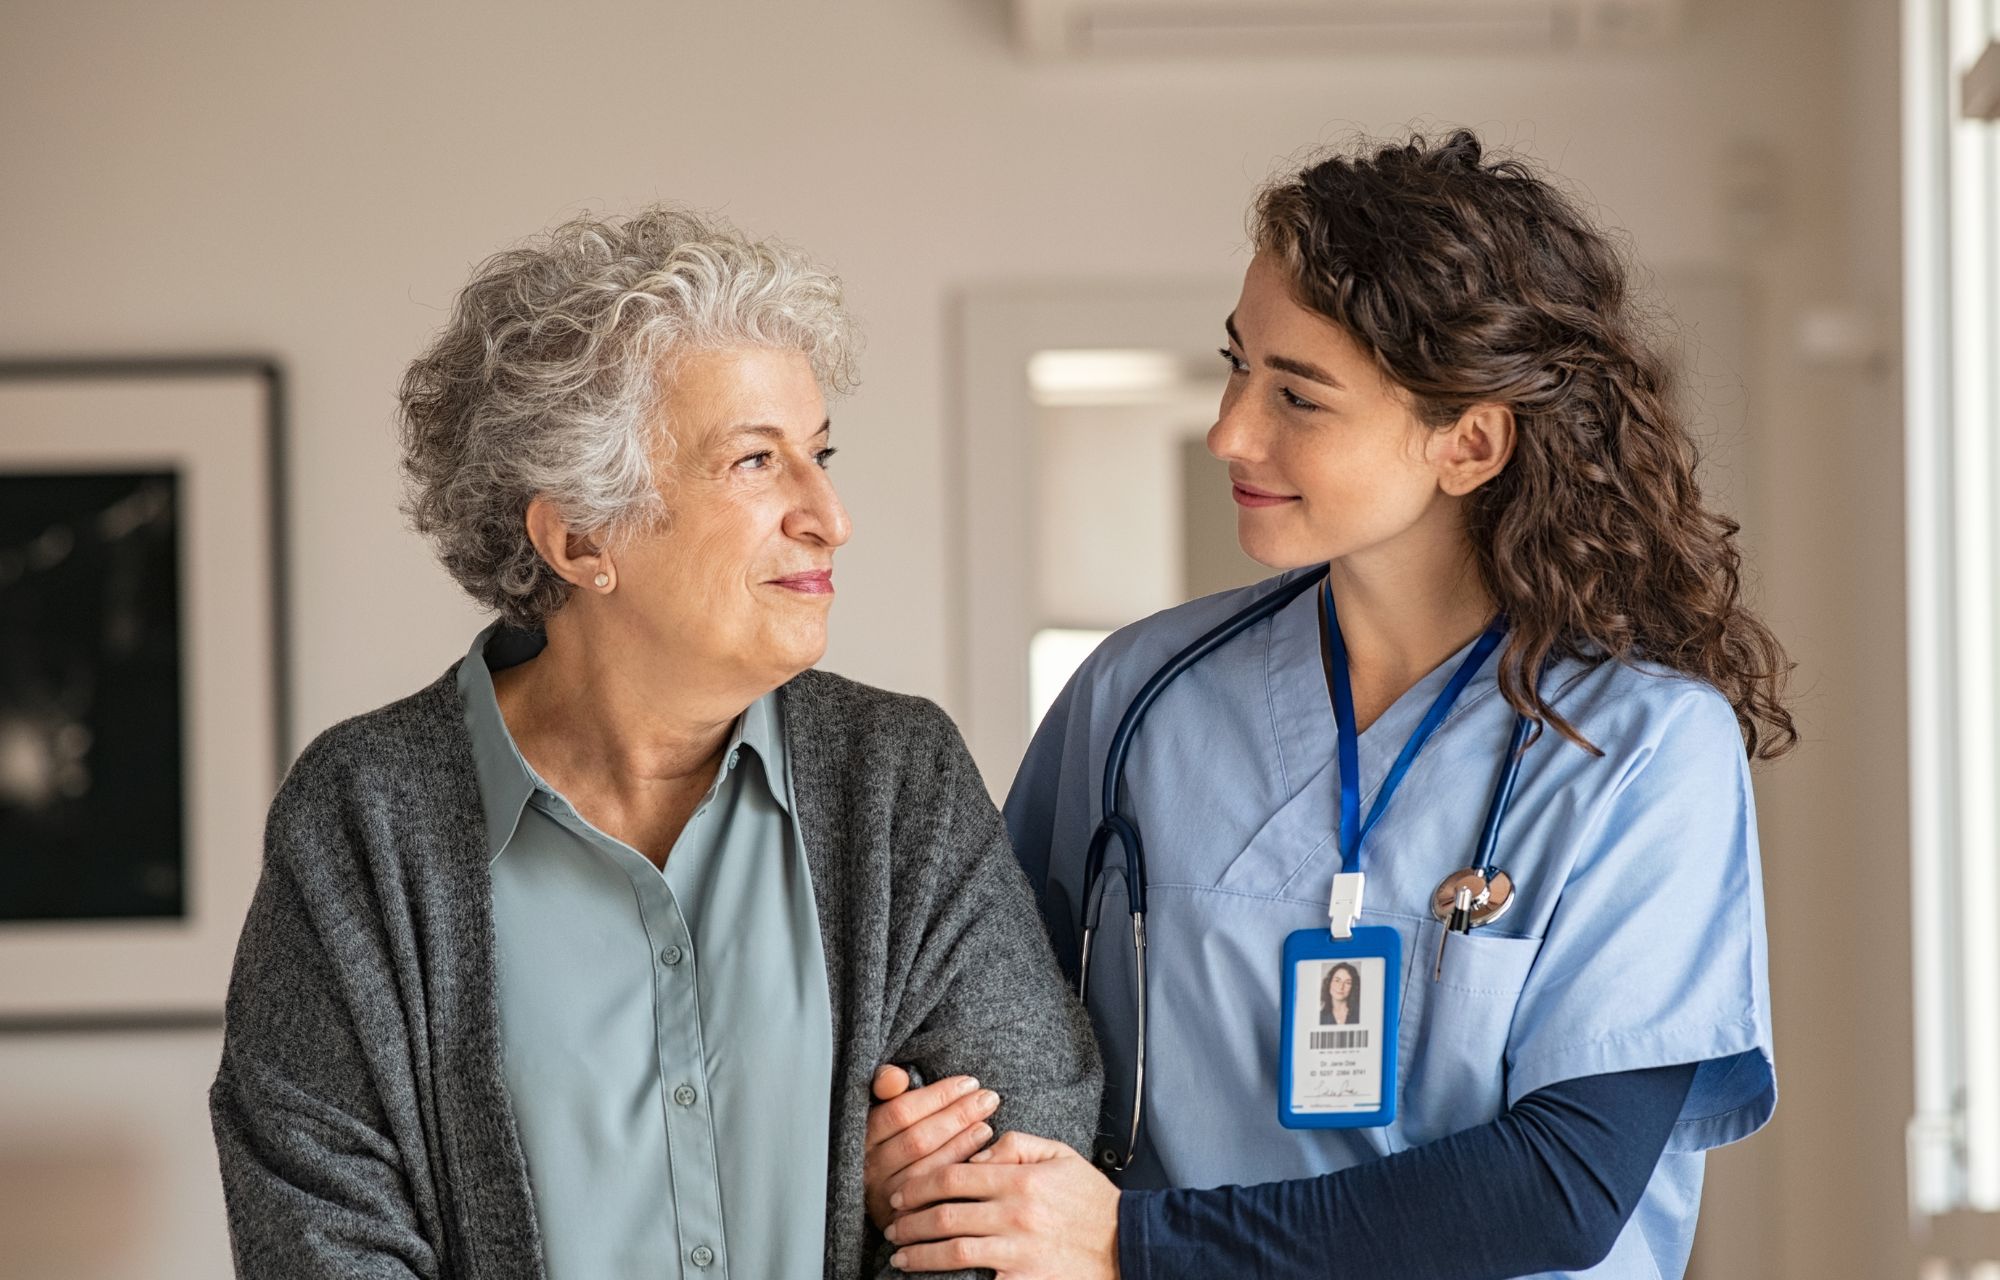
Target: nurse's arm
(1028,1208)
(1563,1169)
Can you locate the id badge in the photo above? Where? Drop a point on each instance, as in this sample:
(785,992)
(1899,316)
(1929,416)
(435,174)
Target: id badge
(1337,1052)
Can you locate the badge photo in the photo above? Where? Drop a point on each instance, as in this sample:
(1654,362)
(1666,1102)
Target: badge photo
(1337,1048)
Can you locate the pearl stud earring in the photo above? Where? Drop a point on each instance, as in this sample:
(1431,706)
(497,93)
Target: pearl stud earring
(603,579)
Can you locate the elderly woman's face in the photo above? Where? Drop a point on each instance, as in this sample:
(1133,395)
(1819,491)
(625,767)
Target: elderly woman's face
(743,573)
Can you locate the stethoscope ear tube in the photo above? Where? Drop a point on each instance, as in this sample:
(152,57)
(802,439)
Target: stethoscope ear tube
(1115,827)
(1139,1056)
(1112,828)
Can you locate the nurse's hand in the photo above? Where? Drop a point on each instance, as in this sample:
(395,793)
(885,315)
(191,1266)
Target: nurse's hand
(912,1131)
(1028,1208)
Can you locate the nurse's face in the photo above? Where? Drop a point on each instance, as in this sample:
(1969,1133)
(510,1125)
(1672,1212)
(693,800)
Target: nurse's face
(1326,458)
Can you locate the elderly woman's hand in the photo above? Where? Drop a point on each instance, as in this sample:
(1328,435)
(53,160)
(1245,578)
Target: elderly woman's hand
(912,1131)
(1028,1208)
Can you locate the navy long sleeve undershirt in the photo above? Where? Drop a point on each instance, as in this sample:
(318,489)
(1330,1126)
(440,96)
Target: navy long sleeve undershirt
(1545,1186)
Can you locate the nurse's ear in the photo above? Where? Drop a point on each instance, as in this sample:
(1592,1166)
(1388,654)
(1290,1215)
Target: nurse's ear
(1473,449)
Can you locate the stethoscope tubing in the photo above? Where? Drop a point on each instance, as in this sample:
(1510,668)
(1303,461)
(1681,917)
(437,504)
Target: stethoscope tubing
(1503,795)
(1114,823)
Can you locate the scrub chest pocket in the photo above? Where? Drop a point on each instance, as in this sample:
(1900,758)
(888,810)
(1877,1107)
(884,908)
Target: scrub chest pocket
(1455,1026)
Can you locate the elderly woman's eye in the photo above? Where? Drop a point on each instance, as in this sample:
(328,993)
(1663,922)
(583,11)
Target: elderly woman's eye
(755,462)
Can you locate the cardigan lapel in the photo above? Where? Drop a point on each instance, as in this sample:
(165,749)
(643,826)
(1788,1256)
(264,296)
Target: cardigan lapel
(821,812)
(484,1174)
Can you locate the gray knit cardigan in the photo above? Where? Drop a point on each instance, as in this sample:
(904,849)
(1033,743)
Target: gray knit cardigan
(360,1112)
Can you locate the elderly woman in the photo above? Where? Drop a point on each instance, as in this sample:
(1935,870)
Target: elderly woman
(580,961)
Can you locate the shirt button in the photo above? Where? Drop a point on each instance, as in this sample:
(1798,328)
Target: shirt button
(671,955)
(732,759)
(701,1255)
(685,1095)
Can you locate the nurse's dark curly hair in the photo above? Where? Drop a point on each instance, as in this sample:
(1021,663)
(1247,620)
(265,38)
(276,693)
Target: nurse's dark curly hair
(1474,279)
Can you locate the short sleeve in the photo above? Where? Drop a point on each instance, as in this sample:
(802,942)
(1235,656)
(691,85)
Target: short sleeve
(1030,810)
(1046,811)
(1655,953)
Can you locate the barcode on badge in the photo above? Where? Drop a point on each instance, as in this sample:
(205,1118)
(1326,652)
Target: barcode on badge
(1340,1039)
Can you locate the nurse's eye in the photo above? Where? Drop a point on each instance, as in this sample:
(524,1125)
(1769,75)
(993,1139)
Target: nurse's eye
(1235,365)
(755,462)
(1285,394)
(825,456)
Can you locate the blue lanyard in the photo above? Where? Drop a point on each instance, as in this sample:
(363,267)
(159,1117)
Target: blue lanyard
(1333,651)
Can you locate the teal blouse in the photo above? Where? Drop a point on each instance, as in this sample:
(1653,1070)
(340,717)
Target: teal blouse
(666,1034)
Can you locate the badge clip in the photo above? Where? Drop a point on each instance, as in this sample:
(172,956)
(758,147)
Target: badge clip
(1345,907)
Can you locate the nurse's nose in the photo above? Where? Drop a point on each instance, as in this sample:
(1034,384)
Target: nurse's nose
(1234,436)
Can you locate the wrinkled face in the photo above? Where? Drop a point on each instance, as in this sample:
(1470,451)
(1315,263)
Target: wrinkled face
(740,580)
(1325,457)
(1339,984)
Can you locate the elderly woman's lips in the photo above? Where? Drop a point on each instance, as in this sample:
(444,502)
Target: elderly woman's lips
(817,583)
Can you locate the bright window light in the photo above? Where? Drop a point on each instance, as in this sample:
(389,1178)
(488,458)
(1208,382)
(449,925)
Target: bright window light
(1053,657)
(1951,329)
(1082,377)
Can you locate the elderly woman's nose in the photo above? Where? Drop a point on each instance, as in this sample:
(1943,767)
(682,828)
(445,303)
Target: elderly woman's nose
(819,512)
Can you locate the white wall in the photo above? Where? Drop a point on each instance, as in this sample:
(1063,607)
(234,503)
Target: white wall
(314,181)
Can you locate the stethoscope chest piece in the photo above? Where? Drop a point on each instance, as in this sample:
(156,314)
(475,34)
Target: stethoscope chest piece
(1488,897)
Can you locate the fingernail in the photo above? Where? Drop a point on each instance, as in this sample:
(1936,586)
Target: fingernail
(896,1200)
(971,1083)
(897,1260)
(980,1157)
(989,1100)
(983,1132)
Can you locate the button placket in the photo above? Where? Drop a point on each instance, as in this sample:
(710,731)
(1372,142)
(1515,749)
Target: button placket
(692,1169)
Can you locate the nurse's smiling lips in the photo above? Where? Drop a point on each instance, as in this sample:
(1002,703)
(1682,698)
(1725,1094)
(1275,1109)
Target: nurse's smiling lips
(817,583)
(1251,496)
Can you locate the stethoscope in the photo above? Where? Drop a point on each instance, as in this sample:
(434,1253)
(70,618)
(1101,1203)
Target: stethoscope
(1464,900)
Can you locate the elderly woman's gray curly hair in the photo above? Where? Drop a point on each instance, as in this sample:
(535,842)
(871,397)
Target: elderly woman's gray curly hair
(548,376)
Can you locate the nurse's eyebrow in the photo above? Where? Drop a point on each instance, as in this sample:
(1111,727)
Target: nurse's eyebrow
(1302,369)
(1287,364)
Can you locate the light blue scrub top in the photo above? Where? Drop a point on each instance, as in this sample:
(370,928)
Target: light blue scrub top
(1636,940)
(666,1034)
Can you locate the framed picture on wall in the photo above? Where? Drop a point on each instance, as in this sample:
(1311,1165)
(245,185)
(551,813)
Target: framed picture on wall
(142,678)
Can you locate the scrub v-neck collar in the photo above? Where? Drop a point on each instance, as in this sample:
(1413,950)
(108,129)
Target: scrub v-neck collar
(1302,715)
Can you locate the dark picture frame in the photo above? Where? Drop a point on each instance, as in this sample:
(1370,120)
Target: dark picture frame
(144,715)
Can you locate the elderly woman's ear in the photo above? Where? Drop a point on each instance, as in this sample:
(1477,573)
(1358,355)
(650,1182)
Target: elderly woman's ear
(581,562)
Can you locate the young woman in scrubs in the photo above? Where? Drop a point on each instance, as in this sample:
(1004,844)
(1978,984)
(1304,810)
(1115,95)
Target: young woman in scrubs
(1442,399)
